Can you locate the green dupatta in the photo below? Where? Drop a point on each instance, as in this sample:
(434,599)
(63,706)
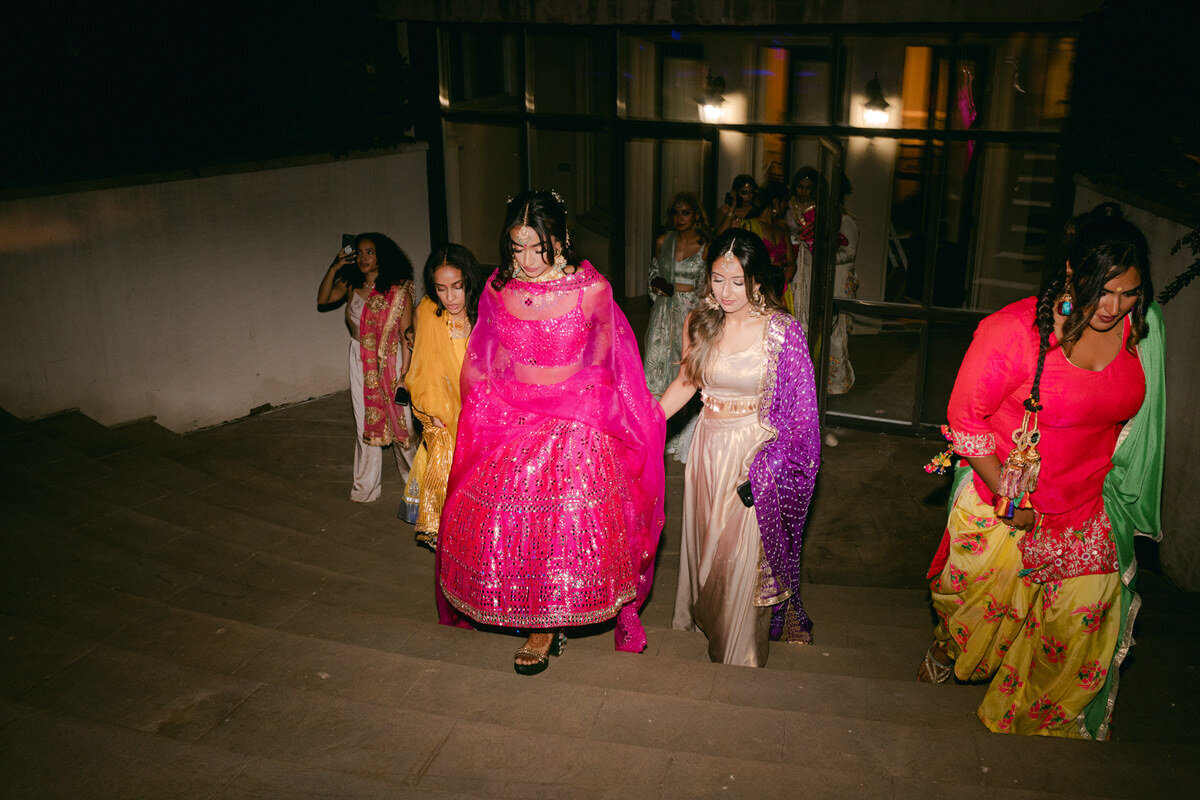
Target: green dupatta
(1132,494)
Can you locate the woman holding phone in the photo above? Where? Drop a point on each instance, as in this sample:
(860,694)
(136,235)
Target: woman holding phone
(374,278)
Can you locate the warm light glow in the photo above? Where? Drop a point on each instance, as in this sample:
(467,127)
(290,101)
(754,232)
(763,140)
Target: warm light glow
(875,117)
(712,114)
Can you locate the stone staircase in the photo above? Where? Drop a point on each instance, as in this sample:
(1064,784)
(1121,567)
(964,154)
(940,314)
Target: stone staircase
(209,616)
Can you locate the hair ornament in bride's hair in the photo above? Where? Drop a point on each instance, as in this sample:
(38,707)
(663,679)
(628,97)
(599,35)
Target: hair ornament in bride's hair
(524,231)
(728,259)
(559,199)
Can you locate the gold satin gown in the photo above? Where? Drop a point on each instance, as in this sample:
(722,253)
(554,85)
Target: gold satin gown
(721,550)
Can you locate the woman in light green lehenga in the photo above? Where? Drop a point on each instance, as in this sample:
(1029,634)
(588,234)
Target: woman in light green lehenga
(677,266)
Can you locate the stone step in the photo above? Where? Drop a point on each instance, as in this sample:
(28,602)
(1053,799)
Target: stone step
(81,433)
(398,619)
(242,683)
(109,760)
(174,608)
(856,650)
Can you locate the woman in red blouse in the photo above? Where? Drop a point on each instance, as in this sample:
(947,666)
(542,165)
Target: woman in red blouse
(1027,588)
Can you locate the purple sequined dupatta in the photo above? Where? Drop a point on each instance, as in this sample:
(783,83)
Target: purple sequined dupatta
(784,471)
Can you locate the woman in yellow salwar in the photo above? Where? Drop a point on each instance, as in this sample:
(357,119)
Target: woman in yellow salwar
(1058,412)
(453,283)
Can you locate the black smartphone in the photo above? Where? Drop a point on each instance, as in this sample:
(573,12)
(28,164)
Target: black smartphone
(348,243)
(745,494)
(403,398)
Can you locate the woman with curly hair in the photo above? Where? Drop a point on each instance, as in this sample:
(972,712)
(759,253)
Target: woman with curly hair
(1057,413)
(678,262)
(375,279)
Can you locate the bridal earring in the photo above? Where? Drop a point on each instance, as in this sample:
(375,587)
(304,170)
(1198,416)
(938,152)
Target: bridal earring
(757,304)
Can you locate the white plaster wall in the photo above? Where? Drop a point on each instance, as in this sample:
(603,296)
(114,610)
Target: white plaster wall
(191,300)
(1180,548)
(484,169)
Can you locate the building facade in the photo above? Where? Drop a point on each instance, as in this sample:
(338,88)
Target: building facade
(934,127)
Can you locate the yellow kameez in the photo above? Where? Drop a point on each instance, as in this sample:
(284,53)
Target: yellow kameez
(433,381)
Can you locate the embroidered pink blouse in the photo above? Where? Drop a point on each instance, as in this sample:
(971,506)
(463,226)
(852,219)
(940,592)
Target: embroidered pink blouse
(1082,417)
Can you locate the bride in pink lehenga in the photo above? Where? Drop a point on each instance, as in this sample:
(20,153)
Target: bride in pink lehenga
(555,499)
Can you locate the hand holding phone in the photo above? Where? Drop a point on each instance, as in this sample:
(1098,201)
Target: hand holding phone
(662,286)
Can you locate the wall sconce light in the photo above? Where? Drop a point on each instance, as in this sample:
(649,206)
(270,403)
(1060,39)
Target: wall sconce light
(875,110)
(712,102)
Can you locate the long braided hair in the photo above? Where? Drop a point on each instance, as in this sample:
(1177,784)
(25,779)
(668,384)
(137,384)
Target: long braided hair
(1098,245)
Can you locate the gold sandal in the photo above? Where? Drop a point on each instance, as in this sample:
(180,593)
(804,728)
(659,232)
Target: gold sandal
(935,671)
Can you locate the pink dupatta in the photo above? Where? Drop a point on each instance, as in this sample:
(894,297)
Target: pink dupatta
(562,349)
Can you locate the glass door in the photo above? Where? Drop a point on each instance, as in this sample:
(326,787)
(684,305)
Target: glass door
(823,314)
(656,170)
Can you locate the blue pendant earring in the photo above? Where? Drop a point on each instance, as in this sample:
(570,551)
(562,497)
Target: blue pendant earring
(1065,302)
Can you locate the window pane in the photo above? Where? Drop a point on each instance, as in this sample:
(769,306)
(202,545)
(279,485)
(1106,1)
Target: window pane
(994,230)
(569,74)
(768,157)
(482,171)
(882,352)
(791,82)
(638,78)
(948,343)
(480,70)
(888,181)
(912,75)
(663,77)
(774,77)
(578,167)
(655,171)
(1019,81)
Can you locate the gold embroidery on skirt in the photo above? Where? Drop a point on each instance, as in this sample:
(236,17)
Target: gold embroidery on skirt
(771,590)
(792,631)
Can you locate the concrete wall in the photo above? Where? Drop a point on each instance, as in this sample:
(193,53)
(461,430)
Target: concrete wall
(1180,548)
(191,300)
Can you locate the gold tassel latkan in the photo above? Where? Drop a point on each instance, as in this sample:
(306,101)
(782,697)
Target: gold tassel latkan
(1020,472)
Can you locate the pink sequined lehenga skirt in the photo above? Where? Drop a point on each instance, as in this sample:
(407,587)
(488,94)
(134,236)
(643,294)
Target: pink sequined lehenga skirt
(536,535)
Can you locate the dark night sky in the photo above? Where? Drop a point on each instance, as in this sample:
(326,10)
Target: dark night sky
(1135,115)
(96,90)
